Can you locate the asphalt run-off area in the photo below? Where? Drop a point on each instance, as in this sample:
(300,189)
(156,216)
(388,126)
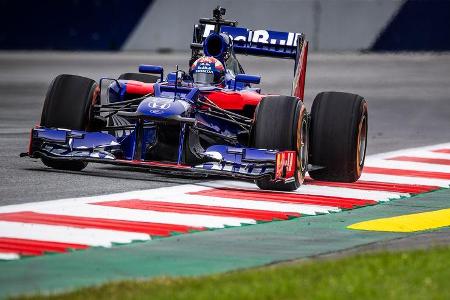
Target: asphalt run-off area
(62,230)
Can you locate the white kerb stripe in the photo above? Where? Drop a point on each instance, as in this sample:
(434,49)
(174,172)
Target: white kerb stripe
(404,179)
(8,256)
(406,165)
(311,189)
(109,197)
(65,234)
(246,204)
(408,151)
(233,184)
(427,154)
(118,213)
(174,190)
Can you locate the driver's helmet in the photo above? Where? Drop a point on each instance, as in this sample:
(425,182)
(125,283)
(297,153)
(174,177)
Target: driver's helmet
(207,70)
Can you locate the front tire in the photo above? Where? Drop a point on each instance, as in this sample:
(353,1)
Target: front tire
(68,105)
(281,123)
(64,165)
(338,136)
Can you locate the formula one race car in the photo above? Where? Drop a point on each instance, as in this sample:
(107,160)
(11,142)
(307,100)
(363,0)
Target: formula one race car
(209,120)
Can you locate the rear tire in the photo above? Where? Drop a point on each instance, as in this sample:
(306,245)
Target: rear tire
(142,77)
(281,123)
(338,136)
(68,105)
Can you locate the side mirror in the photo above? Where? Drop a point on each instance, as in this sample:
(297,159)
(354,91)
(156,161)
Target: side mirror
(245,78)
(152,69)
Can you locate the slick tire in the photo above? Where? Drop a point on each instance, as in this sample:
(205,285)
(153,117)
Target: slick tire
(68,105)
(281,123)
(64,165)
(147,78)
(338,136)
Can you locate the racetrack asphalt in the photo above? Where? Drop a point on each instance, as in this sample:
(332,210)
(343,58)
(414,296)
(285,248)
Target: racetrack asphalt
(408,97)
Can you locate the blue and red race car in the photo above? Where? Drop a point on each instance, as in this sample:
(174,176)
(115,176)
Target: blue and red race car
(210,120)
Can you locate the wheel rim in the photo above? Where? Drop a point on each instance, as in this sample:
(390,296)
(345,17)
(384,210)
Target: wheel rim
(302,148)
(304,144)
(362,140)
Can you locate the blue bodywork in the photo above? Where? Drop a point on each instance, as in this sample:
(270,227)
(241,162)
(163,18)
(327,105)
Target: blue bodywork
(169,103)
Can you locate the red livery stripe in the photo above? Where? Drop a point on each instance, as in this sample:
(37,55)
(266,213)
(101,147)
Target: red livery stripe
(284,197)
(152,163)
(377,186)
(409,173)
(34,247)
(260,215)
(85,222)
(139,88)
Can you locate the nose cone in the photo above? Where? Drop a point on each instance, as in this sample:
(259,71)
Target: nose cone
(162,107)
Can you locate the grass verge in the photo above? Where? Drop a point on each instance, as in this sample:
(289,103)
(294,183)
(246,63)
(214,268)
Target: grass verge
(419,274)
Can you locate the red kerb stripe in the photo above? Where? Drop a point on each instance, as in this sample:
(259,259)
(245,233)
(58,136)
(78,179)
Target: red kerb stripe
(441,151)
(260,215)
(377,186)
(284,197)
(437,161)
(409,173)
(35,247)
(85,222)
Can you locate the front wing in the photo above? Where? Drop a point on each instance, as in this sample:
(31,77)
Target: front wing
(219,160)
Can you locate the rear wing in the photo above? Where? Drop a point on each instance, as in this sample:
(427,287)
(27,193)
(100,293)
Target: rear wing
(259,42)
(266,43)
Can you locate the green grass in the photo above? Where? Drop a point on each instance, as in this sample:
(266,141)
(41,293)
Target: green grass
(397,275)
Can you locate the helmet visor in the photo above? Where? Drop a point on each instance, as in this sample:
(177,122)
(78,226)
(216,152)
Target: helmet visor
(204,78)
